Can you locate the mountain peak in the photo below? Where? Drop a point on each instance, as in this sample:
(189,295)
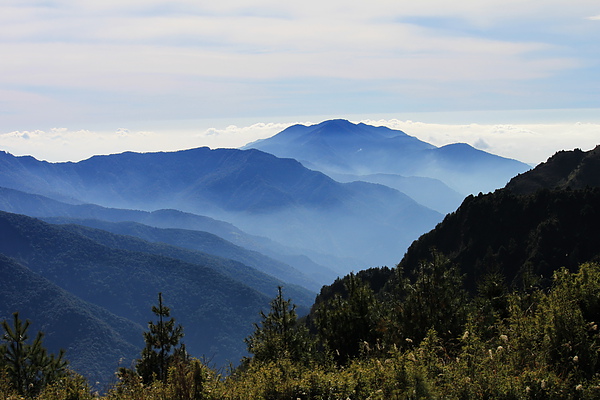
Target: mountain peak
(575,169)
(336,123)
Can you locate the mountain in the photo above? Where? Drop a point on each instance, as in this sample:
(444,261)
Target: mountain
(574,169)
(535,225)
(432,193)
(197,179)
(197,234)
(341,147)
(216,311)
(95,340)
(362,224)
(235,262)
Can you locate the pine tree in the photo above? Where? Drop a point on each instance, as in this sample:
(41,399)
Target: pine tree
(345,323)
(435,300)
(162,340)
(29,367)
(279,335)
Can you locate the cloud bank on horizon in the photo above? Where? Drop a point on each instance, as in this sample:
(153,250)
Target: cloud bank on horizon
(531,143)
(95,67)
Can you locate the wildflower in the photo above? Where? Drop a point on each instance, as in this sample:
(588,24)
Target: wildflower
(576,359)
(465,335)
(579,387)
(504,338)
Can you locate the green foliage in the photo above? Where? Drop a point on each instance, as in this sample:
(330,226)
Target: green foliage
(520,235)
(279,335)
(540,343)
(345,324)
(490,307)
(6,389)
(435,300)
(162,339)
(69,387)
(28,366)
(187,379)
(569,315)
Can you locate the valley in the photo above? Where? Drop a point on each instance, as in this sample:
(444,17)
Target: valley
(218,231)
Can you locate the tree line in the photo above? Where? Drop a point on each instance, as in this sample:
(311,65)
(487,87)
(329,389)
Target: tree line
(383,334)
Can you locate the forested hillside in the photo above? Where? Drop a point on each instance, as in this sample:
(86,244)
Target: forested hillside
(523,237)
(500,300)
(217,308)
(189,230)
(425,338)
(541,221)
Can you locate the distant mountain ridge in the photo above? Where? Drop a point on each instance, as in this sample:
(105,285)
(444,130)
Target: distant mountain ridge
(341,147)
(430,192)
(216,310)
(204,247)
(33,205)
(264,195)
(94,338)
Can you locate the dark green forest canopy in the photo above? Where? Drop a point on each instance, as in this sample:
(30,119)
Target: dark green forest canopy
(520,236)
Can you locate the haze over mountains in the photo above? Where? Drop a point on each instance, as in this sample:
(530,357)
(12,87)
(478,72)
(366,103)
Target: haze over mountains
(439,177)
(260,193)
(299,268)
(217,309)
(216,231)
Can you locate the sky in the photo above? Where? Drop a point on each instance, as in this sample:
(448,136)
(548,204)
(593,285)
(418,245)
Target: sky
(513,77)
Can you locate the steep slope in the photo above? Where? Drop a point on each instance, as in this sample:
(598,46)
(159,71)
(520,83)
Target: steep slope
(525,236)
(278,198)
(574,169)
(197,234)
(432,193)
(340,147)
(174,243)
(93,338)
(516,235)
(196,179)
(216,311)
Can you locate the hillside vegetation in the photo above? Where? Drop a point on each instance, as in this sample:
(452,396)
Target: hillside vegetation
(114,288)
(428,339)
(501,300)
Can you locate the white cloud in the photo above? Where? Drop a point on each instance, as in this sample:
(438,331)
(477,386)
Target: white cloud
(531,143)
(233,136)
(330,39)
(63,144)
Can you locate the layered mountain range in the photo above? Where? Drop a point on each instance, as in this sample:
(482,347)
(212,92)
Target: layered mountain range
(215,299)
(438,177)
(216,231)
(260,193)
